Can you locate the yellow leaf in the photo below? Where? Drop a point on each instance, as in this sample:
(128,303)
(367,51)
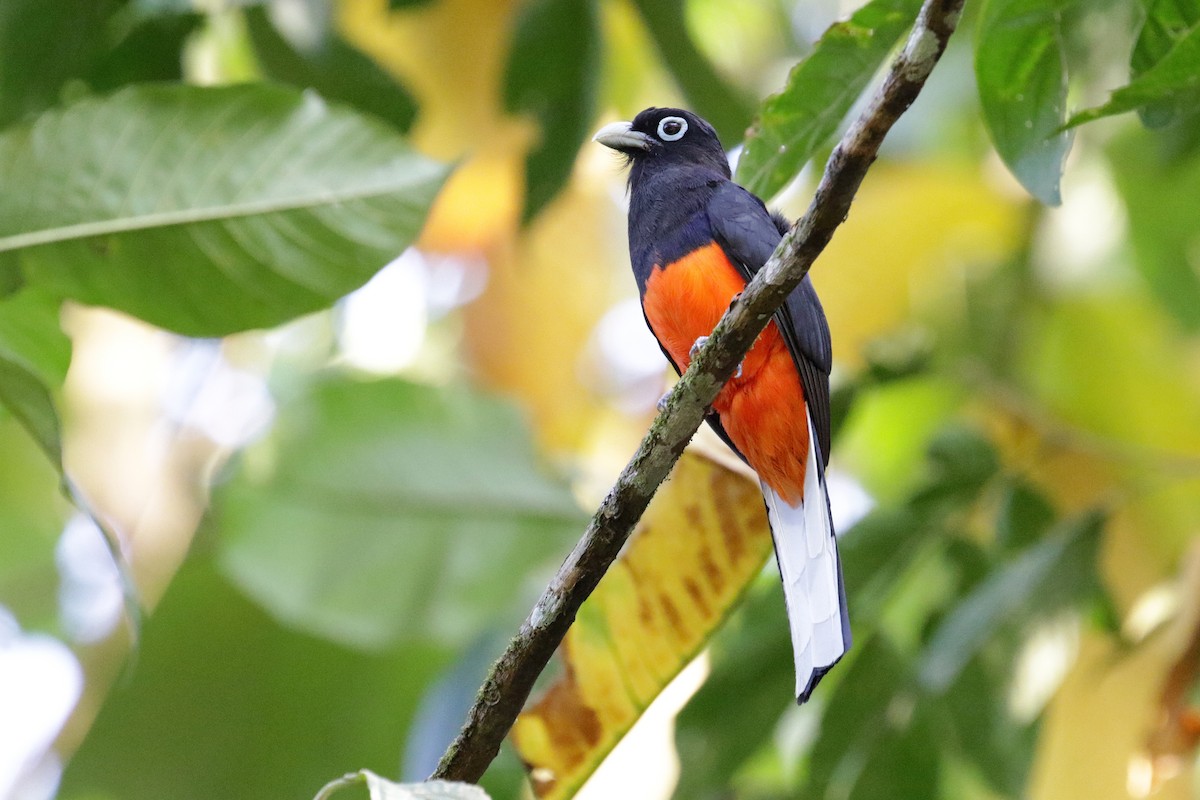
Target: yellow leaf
(1112,365)
(700,544)
(1108,732)
(528,333)
(548,284)
(451,55)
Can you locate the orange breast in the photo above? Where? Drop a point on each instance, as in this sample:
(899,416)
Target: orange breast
(763,410)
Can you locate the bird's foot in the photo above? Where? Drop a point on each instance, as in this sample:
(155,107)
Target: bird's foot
(696,345)
(661,405)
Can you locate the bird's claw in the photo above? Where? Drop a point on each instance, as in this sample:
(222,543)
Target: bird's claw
(661,405)
(696,345)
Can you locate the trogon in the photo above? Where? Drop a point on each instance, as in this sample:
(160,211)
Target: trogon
(695,239)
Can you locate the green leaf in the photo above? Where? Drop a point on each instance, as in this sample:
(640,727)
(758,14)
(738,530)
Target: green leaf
(167,7)
(1161,199)
(552,75)
(791,125)
(388,511)
(44,45)
(901,763)
(876,554)
(32,515)
(335,69)
(1020,69)
(383,789)
(960,462)
(1045,578)
(1024,517)
(34,356)
(750,686)
(876,738)
(28,399)
(886,434)
(30,334)
(984,730)
(1166,22)
(708,93)
(1175,77)
(150,48)
(103,44)
(209,210)
(268,711)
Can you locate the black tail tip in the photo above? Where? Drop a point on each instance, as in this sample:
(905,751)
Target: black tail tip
(815,678)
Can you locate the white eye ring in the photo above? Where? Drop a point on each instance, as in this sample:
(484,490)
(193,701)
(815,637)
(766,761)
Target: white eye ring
(672,137)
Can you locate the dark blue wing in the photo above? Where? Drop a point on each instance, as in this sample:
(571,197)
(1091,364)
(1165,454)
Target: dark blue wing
(749,234)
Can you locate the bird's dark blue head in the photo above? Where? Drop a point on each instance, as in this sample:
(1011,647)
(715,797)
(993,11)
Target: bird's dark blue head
(660,138)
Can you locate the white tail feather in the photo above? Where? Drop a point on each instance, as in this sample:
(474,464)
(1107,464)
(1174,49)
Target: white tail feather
(806,550)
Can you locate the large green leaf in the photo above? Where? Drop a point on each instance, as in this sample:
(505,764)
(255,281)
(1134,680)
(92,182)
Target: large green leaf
(791,125)
(331,66)
(266,711)
(391,511)
(1044,578)
(1021,72)
(209,211)
(1173,78)
(552,75)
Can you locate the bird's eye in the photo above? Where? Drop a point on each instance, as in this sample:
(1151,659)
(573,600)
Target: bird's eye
(672,128)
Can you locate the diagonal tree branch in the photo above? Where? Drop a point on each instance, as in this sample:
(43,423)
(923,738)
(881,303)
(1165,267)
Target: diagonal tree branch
(507,686)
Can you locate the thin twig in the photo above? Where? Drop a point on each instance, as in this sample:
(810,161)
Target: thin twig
(507,686)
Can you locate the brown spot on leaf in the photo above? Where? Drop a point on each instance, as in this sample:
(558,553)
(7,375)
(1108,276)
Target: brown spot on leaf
(712,572)
(697,595)
(673,616)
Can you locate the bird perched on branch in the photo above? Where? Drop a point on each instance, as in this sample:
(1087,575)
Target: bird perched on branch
(695,239)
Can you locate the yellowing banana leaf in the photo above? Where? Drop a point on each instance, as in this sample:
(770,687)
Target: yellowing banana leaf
(700,544)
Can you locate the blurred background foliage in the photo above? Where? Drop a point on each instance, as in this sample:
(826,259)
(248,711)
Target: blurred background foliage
(256,532)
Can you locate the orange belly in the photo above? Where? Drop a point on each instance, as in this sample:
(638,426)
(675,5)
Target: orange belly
(762,411)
